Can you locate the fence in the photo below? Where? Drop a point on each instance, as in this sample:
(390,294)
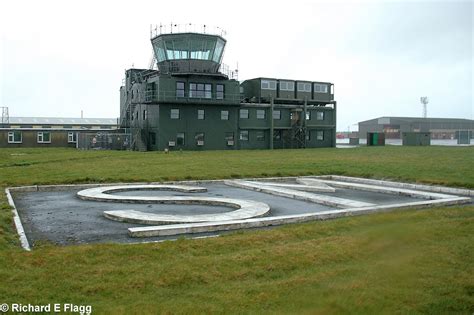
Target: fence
(103,141)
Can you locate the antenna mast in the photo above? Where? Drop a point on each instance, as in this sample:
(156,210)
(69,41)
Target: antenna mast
(424,102)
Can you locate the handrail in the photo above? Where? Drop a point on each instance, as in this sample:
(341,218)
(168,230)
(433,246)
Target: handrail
(174,28)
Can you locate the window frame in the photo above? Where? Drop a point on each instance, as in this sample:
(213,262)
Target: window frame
(304,89)
(225,115)
(220,94)
(200,90)
(278,117)
(320,135)
(243,132)
(72,137)
(266,84)
(243,110)
(12,135)
(320,115)
(286,84)
(41,134)
(179,89)
(321,88)
(176,111)
(199,116)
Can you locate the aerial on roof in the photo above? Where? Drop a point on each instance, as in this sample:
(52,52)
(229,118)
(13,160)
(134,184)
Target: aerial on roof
(61,121)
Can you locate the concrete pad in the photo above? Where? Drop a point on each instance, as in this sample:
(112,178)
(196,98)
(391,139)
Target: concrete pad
(55,213)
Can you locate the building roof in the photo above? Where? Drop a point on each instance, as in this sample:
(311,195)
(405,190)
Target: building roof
(384,119)
(62,121)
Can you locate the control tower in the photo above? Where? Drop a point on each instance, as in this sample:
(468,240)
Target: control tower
(188,52)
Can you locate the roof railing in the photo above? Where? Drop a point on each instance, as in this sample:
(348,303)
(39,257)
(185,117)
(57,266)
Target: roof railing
(173,28)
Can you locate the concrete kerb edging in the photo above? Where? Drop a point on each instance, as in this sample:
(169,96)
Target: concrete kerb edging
(433,188)
(177,229)
(18,225)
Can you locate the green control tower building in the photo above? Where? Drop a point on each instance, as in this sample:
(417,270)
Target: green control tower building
(189,100)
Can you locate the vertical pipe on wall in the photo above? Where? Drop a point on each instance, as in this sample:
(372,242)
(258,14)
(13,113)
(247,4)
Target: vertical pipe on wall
(335,125)
(271,123)
(305,106)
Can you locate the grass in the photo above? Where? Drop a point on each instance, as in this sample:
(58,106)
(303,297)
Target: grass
(398,262)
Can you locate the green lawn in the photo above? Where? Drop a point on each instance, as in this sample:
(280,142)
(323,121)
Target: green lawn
(398,262)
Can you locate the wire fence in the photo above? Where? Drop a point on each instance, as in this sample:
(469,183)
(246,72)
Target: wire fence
(103,141)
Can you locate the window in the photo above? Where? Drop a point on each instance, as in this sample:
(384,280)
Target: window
(199,137)
(320,88)
(180,138)
(174,114)
(244,114)
(200,90)
(219,91)
(71,137)
(277,134)
(304,87)
(260,114)
(287,86)
(308,135)
(15,137)
(229,138)
(200,114)
(179,89)
(260,135)
(268,85)
(244,135)
(319,115)
(276,114)
(207,91)
(319,135)
(144,114)
(308,115)
(44,137)
(224,115)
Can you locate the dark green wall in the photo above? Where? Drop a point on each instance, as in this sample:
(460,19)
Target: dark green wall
(213,127)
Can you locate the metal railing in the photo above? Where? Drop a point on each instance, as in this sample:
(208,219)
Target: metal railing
(173,96)
(173,28)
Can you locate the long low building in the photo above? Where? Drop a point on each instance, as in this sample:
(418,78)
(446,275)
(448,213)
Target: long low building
(394,127)
(50,132)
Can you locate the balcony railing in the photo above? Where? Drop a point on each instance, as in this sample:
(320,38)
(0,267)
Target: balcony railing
(173,28)
(173,96)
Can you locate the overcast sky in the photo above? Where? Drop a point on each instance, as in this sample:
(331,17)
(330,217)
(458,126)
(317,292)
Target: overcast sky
(60,57)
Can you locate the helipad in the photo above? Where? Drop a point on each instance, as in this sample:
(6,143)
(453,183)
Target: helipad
(74,214)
